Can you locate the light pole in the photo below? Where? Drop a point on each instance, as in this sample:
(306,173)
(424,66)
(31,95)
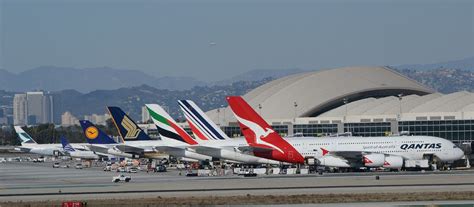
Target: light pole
(400,96)
(295,105)
(218,117)
(345,101)
(222,106)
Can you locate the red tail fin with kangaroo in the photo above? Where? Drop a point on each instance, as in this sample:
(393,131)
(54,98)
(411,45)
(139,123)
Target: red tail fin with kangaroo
(260,134)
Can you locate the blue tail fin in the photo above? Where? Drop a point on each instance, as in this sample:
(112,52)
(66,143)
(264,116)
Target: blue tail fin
(94,135)
(128,129)
(66,146)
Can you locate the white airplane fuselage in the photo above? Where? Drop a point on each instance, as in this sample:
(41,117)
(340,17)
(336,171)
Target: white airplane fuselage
(328,149)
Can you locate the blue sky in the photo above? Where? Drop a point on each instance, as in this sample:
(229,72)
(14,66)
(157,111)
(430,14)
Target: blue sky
(173,38)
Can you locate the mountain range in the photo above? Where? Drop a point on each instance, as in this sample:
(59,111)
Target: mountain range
(463,64)
(52,78)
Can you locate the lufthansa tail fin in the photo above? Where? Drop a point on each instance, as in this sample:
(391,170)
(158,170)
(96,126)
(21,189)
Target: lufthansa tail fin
(200,123)
(166,125)
(94,135)
(25,138)
(128,129)
(66,146)
(260,134)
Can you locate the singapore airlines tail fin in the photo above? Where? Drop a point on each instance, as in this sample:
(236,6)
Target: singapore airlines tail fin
(166,125)
(94,135)
(24,137)
(128,129)
(260,134)
(200,124)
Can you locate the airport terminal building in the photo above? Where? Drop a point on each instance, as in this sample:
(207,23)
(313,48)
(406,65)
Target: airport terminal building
(366,101)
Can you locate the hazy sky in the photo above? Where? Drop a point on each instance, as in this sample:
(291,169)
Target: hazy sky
(176,38)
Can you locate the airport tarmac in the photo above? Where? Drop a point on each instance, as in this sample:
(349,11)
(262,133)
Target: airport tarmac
(26,181)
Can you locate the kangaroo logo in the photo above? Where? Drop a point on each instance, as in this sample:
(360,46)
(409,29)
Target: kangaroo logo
(260,133)
(132,129)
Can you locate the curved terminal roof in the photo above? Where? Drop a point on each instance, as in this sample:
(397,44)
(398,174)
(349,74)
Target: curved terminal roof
(433,103)
(320,91)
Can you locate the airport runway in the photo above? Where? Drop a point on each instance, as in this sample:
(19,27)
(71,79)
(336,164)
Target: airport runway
(39,181)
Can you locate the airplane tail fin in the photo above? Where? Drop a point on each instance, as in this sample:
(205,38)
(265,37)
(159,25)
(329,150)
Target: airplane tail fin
(166,125)
(200,123)
(94,135)
(259,133)
(66,146)
(128,129)
(24,137)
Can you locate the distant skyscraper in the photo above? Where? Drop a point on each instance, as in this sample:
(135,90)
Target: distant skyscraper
(67,119)
(33,108)
(97,119)
(145,115)
(40,107)
(20,109)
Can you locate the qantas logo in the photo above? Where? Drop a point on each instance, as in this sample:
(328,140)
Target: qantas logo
(260,133)
(421,146)
(132,130)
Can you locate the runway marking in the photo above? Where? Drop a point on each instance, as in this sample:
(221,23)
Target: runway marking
(235,189)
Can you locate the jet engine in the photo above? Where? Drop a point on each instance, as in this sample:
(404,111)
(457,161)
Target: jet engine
(393,162)
(373,160)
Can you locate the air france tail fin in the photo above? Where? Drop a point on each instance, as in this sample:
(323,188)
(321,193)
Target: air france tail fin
(94,135)
(25,138)
(259,133)
(128,129)
(66,146)
(200,123)
(166,125)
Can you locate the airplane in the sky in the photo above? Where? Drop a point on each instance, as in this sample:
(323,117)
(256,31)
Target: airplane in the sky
(387,152)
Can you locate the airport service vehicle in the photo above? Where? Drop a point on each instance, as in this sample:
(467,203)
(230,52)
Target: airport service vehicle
(132,170)
(78,166)
(39,159)
(73,153)
(121,178)
(56,165)
(387,152)
(167,127)
(108,168)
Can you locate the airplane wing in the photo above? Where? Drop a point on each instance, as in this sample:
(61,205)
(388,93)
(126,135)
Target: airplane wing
(250,149)
(348,154)
(168,148)
(98,148)
(129,149)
